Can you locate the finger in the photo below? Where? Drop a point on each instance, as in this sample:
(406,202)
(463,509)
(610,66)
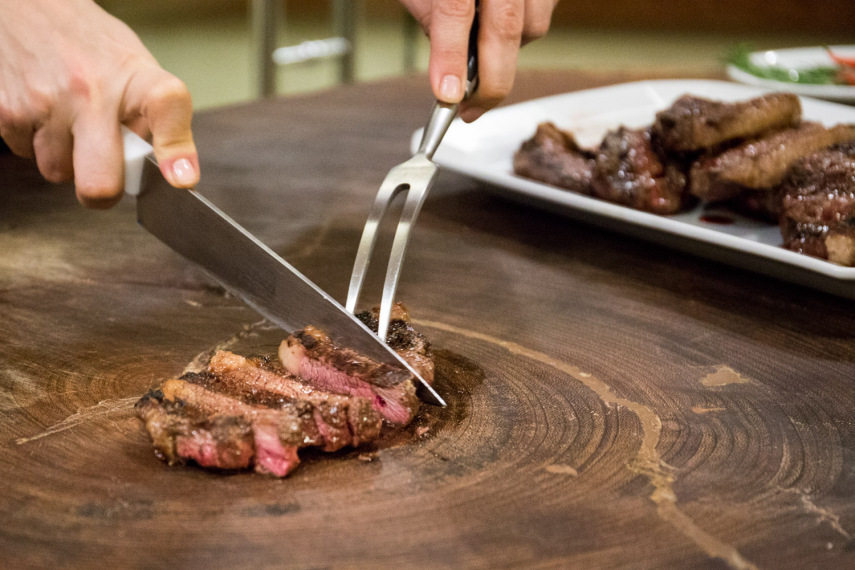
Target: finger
(498,46)
(420,11)
(98,160)
(450,22)
(53,146)
(538,14)
(18,137)
(164,102)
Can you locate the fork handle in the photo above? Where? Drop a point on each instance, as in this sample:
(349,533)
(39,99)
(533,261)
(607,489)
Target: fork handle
(472,58)
(444,113)
(440,119)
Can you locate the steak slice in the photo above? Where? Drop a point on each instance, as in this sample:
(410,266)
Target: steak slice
(629,171)
(694,124)
(818,205)
(180,432)
(188,422)
(238,415)
(311,355)
(342,420)
(257,412)
(401,337)
(763,163)
(553,156)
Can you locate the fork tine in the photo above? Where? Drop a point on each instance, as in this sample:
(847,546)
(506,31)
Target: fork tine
(415,198)
(388,190)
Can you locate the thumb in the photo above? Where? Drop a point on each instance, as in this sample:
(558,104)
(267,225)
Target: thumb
(165,105)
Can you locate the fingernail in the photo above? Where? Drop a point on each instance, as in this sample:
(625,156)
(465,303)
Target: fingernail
(183,172)
(450,89)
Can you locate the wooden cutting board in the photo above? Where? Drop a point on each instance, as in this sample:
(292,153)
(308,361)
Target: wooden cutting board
(611,403)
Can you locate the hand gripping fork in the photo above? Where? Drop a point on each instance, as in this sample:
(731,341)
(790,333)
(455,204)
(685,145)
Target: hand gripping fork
(415,176)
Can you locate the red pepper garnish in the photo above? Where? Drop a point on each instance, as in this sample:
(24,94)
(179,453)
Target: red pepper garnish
(847,74)
(842,60)
(847,66)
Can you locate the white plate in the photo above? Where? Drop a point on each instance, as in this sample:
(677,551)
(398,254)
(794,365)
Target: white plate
(484,150)
(798,58)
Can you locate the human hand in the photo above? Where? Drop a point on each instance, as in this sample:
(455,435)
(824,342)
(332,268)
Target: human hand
(70,75)
(506,25)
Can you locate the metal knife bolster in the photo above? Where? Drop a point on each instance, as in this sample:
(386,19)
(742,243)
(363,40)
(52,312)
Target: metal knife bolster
(195,228)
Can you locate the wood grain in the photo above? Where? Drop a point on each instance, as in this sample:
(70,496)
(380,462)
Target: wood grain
(612,403)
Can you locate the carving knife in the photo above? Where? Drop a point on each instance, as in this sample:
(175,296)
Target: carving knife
(192,226)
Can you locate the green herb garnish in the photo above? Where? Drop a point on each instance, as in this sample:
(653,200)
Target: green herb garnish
(740,57)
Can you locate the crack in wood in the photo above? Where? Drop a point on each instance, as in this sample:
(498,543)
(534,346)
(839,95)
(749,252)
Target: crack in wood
(647,462)
(104,408)
(822,514)
(825,515)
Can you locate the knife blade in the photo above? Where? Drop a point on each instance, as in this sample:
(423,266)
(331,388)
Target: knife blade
(195,228)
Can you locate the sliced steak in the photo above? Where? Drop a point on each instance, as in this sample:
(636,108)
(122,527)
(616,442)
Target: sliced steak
(257,412)
(311,355)
(695,124)
(628,171)
(187,422)
(818,205)
(342,420)
(763,163)
(180,432)
(276,432)
(553,156)
(409,343)
(238,415)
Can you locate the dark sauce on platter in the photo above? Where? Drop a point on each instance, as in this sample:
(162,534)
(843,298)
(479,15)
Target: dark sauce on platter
(719,219)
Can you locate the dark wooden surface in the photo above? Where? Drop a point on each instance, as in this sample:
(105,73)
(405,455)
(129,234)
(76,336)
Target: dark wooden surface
(612,404)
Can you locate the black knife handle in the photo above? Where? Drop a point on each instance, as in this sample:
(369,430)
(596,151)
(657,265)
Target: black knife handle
(472,59)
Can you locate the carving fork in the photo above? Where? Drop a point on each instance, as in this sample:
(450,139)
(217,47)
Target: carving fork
(415,176)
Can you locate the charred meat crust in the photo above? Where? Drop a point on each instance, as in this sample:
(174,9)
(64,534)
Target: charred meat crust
(630,172)
(552,156)
(818,205)
(173,425)
(697,124)
(409,343)
(761,163)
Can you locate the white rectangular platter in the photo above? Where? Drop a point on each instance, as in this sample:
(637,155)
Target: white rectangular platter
(484,150)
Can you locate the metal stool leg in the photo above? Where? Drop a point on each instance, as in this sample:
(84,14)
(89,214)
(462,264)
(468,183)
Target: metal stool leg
(344,24)
(264,20)
(412,30)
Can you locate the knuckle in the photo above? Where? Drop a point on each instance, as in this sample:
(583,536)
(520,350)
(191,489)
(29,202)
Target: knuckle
(537,28)
(455,8)
(508,21)
(18,119)
(170,91)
